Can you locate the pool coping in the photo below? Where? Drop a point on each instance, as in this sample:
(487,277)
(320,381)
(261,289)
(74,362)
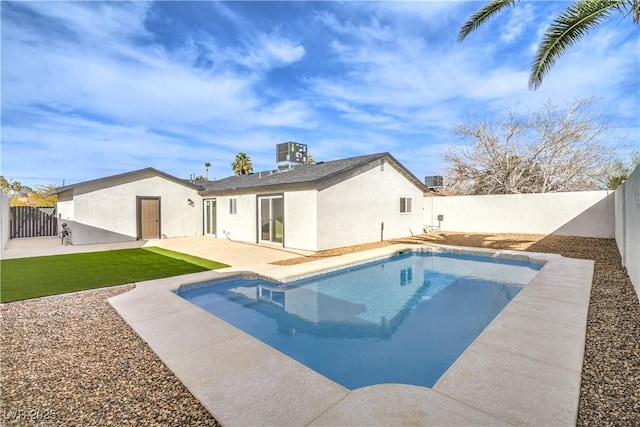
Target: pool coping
(524,368)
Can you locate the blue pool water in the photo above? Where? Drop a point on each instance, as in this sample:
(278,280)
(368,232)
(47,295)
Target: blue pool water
(403,319)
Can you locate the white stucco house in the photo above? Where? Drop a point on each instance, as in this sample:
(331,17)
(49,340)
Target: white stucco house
(143,204)
(319,206)
(313,207)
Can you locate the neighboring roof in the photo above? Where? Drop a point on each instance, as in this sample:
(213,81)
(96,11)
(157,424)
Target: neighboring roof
(312,174)
(437,192)
(130,176)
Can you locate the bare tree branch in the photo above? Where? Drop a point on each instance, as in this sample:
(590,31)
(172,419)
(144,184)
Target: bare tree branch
(548,150)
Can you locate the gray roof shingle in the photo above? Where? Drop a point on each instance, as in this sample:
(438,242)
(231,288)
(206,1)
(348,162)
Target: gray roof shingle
(303,174)
(133,175)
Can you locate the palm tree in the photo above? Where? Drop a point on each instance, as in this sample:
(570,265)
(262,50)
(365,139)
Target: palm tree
(4,184)
(242,165)
(310,159)
(207,165)
(567,28)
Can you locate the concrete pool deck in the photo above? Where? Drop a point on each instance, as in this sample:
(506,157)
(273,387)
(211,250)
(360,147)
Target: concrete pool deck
(524,369)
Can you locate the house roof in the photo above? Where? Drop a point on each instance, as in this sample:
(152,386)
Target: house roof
(127,176)
(310,175)
(436,192)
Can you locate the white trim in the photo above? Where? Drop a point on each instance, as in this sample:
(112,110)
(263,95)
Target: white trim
(271,219)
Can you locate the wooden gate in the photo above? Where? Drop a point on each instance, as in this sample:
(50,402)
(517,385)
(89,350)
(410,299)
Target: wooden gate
(33,221)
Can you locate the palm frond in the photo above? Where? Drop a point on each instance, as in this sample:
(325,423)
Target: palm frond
(630,8)
(481,16)
(567,28)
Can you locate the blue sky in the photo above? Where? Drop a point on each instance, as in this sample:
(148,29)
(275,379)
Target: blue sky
(93,89)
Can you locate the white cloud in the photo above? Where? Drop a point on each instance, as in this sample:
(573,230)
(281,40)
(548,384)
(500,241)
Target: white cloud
(100,91)
(409,75)
(95,86)
(269,52)
(65,143)
(519,19)
(93,21)
(287,114)
(282,51)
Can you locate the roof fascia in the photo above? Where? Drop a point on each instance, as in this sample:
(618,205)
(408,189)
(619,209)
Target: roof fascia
(104,182)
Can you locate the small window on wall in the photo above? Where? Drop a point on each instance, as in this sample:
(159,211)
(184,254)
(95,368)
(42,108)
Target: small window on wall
(233,206)
(406,205)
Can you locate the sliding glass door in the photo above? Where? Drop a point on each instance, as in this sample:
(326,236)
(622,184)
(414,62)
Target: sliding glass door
(271,217)
(210,216)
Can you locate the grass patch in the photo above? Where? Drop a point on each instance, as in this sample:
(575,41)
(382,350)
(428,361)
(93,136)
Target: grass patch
(202,262)
(25,278)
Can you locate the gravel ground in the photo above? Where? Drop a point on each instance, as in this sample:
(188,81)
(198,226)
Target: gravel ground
(610,389)
(71,360)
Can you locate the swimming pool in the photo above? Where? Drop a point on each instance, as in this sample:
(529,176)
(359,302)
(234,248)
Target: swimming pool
(403,319)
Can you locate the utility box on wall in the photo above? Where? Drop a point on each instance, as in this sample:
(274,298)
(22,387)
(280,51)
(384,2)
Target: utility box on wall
(289,154)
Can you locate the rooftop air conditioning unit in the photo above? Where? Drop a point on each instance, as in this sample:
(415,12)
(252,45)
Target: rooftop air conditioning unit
(435,181)
(290,154)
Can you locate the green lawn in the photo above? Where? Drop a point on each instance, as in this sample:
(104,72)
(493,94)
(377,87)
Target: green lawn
(26,278)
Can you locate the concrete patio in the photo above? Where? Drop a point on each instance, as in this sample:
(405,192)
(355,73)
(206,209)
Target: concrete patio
(524,369)
(236,254)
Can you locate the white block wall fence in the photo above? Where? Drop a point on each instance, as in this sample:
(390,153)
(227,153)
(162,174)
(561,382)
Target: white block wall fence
(584,213)
(602,214)
(5,216)
(627,226)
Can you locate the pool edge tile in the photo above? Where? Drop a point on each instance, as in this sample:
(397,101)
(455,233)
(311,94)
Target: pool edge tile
(229,388)
(401,404)
(241,381)
(512,387)
(181,332)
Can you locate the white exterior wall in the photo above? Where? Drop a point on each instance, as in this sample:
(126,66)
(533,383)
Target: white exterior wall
(241,226)
(114,208)
(301,220)
(64,208)
(351,212)
(620,224)
(585,213)
(628,226)
(5,217)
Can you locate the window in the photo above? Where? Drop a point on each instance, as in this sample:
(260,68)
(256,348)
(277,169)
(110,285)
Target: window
(233,206)
(406,205)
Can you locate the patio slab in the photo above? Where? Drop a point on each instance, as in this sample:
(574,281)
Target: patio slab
(45,246)
(247,383)
(524,369)
(233,253)
(514,388)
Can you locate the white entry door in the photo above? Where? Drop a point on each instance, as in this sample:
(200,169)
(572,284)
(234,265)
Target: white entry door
(271,218)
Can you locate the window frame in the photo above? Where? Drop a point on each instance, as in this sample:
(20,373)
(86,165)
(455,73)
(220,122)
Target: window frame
(406,202)
(233,206)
